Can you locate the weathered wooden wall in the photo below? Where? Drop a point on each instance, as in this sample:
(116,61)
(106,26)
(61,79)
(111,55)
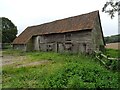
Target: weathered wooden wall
(36,43)
(29,45)
(97,36)
(20,47)
(80,41)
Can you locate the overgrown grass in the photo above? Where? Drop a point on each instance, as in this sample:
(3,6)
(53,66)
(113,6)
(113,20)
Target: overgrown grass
(13,52)
(112,53)
(113,64)
(65,71)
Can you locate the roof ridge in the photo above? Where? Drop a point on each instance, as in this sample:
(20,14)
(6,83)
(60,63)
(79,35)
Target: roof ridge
(97,11)
(74,23)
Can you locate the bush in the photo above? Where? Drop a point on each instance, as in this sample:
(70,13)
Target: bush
(6,46)
(112,64)
(76,76)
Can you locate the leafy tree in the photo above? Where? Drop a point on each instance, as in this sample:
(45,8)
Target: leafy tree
(111,7)
(112,39)
(9,30)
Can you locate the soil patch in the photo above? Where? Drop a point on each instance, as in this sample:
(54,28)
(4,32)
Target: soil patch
(7,59)
(113,45)
(33,63)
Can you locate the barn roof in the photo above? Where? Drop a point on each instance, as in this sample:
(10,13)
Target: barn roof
(76,23)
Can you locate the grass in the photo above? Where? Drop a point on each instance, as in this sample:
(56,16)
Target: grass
(13,52)
(112,53)
(65,71)
(113,64)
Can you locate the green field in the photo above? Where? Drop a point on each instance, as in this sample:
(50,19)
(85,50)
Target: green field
(61,71)
(112,53)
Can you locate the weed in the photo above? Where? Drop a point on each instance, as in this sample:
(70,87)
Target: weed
(66,71)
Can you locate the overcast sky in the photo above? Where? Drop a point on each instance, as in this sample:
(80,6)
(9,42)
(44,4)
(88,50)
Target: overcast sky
(24,13)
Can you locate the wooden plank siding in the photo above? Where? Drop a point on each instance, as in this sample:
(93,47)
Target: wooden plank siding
(79,41)
(20,47)
(97,36)
(82,33)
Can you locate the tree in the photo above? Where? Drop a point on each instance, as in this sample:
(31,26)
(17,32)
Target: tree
(111,7)
(112,39)
(9,30)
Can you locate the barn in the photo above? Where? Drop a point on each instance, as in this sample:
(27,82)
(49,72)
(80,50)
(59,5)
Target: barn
(82,33)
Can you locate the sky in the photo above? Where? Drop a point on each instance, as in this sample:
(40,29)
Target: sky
(24,13)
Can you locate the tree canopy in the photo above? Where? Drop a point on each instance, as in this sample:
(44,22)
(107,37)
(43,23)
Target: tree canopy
(111,7)
(9,30)
(112,39)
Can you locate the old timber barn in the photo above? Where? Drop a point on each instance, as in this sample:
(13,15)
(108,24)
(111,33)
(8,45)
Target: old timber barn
(82,33)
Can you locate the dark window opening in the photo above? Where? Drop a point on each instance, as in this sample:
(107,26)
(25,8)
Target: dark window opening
(84,46)
(69,49)
(101,48)
(49,48)
(68,36)
(68,46)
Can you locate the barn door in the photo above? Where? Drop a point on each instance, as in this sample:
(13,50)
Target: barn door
(82,47)
(60,47)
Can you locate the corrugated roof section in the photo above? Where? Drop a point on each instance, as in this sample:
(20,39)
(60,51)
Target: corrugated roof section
(76,23)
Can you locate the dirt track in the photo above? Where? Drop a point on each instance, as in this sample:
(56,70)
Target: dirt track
(113,45)
(8,60)
(33,63)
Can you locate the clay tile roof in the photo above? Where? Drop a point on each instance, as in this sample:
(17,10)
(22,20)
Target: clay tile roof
(76,23)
